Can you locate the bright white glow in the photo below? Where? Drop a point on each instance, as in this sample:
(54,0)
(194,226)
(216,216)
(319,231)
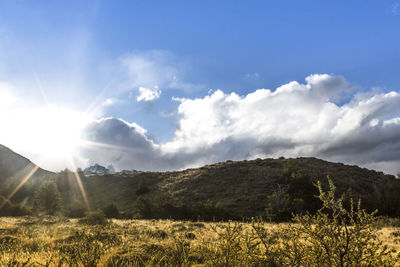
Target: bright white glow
(59,131)
(53,133)
(7,99)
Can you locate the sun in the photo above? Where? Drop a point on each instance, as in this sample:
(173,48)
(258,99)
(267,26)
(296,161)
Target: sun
(58,132)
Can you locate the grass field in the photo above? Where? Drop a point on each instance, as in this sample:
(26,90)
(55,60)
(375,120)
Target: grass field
(53,241)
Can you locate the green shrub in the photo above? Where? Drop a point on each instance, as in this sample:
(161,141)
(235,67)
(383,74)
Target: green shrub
(210,211)
(47,198)
(336,236)
(111,211)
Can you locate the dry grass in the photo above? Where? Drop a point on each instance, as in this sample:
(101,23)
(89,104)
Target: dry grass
(51,241)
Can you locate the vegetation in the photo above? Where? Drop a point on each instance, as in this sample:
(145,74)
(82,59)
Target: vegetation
(308,231)
(94,218)
(334,236)
(47,198)
(227,190)
(111,211)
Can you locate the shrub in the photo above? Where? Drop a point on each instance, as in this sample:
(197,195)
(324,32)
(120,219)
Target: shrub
(47,198)
(95,218)
(111,211)
(143,208)
(76,212)
(227,250)
(336,236)
(142,188)
(210,211)
(9,209)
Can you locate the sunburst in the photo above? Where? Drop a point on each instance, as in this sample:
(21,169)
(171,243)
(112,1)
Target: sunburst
(57,132)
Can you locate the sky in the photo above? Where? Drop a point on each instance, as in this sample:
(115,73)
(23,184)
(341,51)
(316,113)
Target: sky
(166,85)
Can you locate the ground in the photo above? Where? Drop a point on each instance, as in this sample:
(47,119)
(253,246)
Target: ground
(53,241)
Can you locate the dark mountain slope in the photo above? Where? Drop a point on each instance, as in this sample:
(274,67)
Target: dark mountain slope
(11,163)
(231,189)
(244,188)
(14,169)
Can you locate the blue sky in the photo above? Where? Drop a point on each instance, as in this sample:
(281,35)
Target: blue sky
(77,54)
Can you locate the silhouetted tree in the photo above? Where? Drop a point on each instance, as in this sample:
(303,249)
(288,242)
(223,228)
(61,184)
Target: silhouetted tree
(47,198)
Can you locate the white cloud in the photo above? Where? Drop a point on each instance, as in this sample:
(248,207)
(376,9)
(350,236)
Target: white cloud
(293,120)
(147,94)
(110,102)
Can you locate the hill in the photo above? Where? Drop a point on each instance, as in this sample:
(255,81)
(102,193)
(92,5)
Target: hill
(231,189)
(12,164)
(246,188)
(15,170)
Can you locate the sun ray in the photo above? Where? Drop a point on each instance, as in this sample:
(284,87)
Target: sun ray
(40,87)
(103,145)
(80,185)
(95,103)
(23,181)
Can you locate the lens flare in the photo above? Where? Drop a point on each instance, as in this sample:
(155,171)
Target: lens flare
(80,185)
(33,168)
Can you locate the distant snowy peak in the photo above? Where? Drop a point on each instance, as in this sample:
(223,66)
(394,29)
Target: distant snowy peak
(98,169)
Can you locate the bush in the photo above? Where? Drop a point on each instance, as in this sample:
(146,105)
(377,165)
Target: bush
(142,189)
(9,209)
(143,208)
(210,211)
(111,211)
(76,210)
(336,236)
(227,250)
(95,218)
(47,198)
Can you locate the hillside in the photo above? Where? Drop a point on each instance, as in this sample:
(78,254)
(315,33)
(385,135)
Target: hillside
(244,188)
(12,164)
(232,189)
(14,169)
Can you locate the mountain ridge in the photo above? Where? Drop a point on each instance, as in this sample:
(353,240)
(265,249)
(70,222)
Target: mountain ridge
(11,163)
(238,188)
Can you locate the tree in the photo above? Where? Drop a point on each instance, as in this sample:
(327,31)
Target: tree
(47,198)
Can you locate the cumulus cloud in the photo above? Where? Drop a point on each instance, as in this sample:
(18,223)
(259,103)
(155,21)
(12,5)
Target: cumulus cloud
(147,94)
(118,142)
(296,119)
